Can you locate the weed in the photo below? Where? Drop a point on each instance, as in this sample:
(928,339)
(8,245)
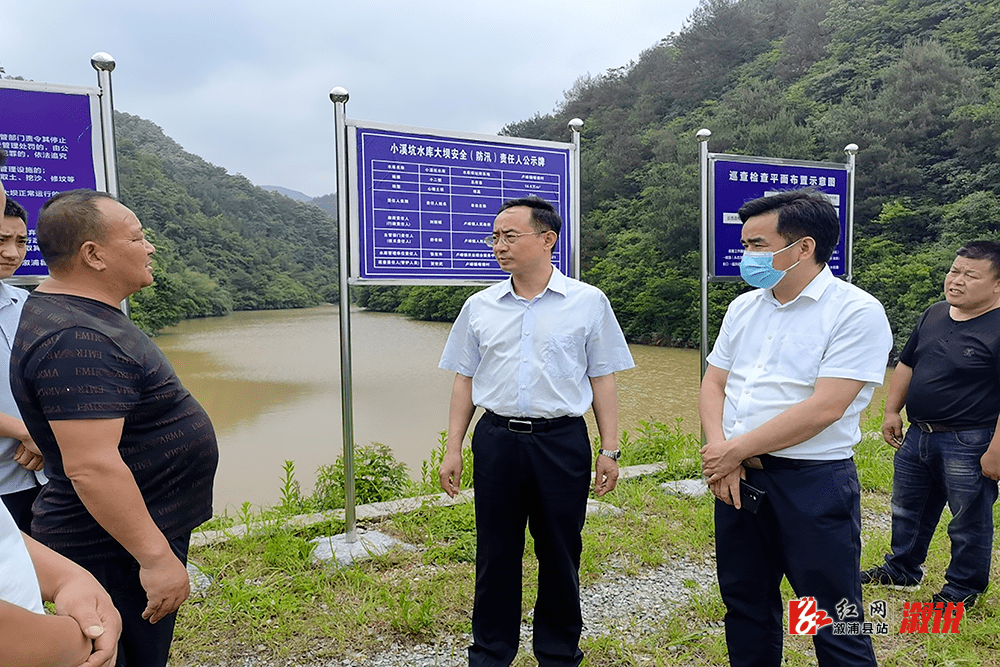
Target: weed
(429,481)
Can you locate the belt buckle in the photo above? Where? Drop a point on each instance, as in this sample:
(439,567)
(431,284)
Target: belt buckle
(520,422)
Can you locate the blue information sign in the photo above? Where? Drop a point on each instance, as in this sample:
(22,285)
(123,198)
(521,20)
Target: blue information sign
(735,180)
(426,201)
(50,139)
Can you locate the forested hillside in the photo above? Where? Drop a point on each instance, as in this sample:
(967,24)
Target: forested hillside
(222,243)
(912,82)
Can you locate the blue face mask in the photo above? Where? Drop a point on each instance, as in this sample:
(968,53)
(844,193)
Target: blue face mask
(757,267)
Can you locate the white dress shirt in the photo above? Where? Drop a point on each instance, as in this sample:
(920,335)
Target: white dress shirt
(18,581)
(775,352)
(535,358)
(13,477)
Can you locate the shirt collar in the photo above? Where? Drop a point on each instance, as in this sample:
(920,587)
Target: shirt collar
(6,295)
(557,284)
(814,290)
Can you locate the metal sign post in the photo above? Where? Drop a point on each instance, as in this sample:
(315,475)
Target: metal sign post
(414,206)
(105,64)
(57,138)
(729,181)
(339,97)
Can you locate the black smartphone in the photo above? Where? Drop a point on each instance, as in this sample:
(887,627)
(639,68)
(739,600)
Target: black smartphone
(751,498)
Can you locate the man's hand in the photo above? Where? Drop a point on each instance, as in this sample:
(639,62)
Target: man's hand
(84,600)
(727,488)
(718,459)
(167,586)
(450,474)
(990,463)
(605,474)
(892,429)
(28,459)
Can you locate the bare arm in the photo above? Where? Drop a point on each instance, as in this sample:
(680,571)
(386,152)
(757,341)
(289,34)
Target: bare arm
(830,399)
(27,454)
(28,639)
(78,596)
(107,488)
(606,413)
(990,461)
(892,422)
(460,413)
(711,403)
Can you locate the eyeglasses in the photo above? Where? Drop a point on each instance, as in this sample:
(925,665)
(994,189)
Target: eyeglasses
(510,238)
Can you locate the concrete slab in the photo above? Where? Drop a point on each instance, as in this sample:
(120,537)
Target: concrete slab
(597,508)
(337,551)
(686,487)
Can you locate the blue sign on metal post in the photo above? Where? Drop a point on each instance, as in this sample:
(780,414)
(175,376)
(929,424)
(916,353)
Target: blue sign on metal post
(426,200)
(736,179)
(52,138)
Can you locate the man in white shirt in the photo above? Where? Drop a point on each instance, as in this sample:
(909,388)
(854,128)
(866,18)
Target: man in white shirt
(795,363)
(535,352)
(20,461)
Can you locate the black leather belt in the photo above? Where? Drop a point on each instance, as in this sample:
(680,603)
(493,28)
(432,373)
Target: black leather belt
(931,427)
(528,424)
(768,462)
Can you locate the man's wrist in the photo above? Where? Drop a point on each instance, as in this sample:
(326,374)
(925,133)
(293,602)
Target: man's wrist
(613,454)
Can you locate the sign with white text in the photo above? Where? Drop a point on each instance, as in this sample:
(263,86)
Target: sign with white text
(52,136)
(426,200)
(736,179)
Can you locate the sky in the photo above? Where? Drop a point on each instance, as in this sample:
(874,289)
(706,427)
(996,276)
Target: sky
(245,83)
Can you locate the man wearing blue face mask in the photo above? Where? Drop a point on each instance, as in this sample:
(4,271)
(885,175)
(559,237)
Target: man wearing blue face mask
(795,363)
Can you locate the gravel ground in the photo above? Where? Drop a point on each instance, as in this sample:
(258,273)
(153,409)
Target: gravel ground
(619,605)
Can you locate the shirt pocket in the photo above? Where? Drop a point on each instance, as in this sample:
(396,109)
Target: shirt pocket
(799,357)
(564,356)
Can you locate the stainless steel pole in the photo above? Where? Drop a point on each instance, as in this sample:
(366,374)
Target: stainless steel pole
(703,136)
(577,188)
(105,64)
(852,151)
(339,97)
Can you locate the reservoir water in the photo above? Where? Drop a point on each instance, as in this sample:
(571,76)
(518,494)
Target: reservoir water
(270,380)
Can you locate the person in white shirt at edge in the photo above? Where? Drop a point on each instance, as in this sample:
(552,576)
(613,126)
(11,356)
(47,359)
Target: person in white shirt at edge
(535,352)
(795,363)
(86,626)
(21,462)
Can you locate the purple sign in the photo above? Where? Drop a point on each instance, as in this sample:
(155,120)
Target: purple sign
(48,139)
(427,201)
(735,182)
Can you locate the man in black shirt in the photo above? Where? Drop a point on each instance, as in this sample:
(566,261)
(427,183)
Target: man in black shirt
(130,454)
(949,379)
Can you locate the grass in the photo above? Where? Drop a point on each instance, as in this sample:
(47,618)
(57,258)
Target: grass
(269,600)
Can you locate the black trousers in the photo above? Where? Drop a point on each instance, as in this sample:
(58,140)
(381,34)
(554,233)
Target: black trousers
(142,643)
(540,480)
(809,529)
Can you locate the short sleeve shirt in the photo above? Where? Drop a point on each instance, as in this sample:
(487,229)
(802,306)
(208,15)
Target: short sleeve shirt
(76,358)
(956,368)
(775,352)
(13,477)
(18,581)
(535,358)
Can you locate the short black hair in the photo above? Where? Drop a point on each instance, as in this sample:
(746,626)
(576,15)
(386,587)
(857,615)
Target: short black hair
(543,214)
(14,210)
(67,221)
(3,156)
(801,213)
(983,250)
